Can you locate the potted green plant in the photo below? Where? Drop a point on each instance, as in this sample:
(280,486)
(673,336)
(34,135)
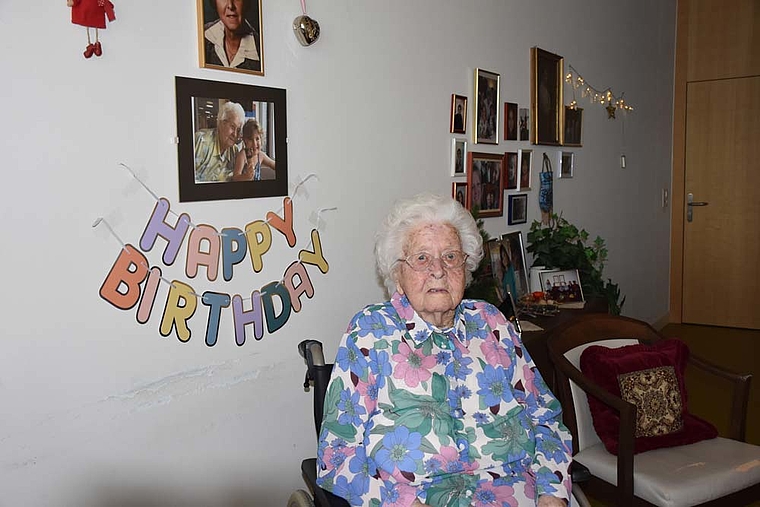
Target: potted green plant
(560,244)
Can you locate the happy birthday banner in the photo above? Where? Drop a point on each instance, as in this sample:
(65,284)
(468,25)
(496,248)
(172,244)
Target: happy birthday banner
(132,281)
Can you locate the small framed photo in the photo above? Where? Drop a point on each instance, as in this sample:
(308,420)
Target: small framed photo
(566,161)
(458,157)
(525,164)
(510,121)
(458,114)
(524,124)
(518,209)
(573,126)
(232,140)
(514,264)
(562,286)
(546,101)
(484,174)
(229,37)
(510,173)
(486,117)
(459,193)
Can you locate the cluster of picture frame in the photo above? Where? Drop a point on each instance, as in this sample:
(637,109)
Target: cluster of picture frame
(547,122)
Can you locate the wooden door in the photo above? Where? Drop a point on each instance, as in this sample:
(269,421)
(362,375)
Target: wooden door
(721,249)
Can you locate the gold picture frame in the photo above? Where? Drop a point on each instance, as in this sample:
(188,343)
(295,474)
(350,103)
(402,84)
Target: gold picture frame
(546,97)
(485,128)
(212,29)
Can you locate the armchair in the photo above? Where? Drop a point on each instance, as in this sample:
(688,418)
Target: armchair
(713,472)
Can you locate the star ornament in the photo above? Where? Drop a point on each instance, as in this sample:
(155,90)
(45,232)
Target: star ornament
(610,111)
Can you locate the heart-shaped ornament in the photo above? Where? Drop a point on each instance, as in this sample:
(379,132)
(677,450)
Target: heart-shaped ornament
(306,30)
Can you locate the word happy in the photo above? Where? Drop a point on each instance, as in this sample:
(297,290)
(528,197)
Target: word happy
(132,282)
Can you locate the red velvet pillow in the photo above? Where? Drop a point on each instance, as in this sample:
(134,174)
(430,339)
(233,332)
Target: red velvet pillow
(652,378)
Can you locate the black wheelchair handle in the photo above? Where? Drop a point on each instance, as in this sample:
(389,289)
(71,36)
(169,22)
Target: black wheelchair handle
(311,351)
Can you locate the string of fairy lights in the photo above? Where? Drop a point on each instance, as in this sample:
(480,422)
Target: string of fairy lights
(604,97)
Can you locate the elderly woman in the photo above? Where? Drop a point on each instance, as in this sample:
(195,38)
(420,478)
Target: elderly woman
(231,41)
(215,149)
(433,399)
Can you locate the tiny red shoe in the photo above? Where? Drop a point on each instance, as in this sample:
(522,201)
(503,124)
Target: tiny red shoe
(89,50)
(98,49)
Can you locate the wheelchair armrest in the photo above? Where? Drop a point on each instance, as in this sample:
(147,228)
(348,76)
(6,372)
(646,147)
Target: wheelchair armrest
(579,472)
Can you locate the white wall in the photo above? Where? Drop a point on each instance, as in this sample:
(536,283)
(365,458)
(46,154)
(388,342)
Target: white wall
(100,410)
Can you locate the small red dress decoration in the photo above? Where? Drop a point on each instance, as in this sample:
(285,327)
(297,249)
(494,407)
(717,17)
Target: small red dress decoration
(91,14)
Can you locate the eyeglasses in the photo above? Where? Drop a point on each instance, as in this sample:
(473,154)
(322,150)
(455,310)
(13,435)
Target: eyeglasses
(422,261)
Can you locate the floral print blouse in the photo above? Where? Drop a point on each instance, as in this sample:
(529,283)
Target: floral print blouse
(453,417)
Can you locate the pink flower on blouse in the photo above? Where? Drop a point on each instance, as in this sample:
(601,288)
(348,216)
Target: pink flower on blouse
(449,457)
(495,352)
(529,383)
(368,391)
(488,495)
(413,365)
(493,318)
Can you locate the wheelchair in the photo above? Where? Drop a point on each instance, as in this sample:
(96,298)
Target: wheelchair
(317,378)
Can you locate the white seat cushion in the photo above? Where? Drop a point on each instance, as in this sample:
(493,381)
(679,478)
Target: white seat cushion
(685,475)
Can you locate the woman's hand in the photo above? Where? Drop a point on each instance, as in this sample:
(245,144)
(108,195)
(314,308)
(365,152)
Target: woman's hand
(550,501)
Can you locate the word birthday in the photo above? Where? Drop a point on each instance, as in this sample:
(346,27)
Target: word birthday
(132,281)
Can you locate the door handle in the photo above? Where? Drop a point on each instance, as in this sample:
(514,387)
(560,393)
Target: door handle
(690,202)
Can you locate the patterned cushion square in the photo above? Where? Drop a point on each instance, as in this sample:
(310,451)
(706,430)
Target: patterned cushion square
(652,378)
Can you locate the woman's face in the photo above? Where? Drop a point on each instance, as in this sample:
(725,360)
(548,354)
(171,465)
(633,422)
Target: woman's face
(231,13)
(435,292)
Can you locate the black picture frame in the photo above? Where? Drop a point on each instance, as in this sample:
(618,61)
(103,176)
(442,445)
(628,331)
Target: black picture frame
(258,102)
(211,53)
(518,209)
(546,99)
(573,126)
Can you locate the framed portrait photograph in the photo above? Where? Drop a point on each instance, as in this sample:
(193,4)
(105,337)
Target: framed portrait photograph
(517,209)
(232,140)
(486,117)
(562,286)
(459,193)
(510,172)
(512,265)
(458,114)
(546,101)
(566,161)
(484,174)
(524,118)
(525,166)
(458,157)
(573,126)
(510,121)
(229,36)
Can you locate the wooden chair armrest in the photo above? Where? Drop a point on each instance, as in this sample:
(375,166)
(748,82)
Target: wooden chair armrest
(740,394)
(626,431)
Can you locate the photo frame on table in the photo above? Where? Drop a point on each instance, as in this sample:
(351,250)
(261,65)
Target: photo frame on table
(510,121)
(546,100)
(525,167)
(484,175)
(459,193)
(458,123)
(516,268)
(517,207)
(511,172)
(573,126)
(562,286)
(566,162)
(213,26)
(199,103)
(524,128)
(458,157)
(486,118)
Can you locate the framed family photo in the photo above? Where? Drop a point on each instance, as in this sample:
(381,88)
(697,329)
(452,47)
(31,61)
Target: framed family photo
(229,36)
(562,286)
(232,140)
(486,117)
(458,114)
(546,100)
(566,161)
(510,121)
(517,209)
(458,157)
(525,165)
(573,126)
(459,193)
(484,174)
(511,174)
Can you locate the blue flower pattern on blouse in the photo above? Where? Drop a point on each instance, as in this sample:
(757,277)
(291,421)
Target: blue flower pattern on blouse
(452,417)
